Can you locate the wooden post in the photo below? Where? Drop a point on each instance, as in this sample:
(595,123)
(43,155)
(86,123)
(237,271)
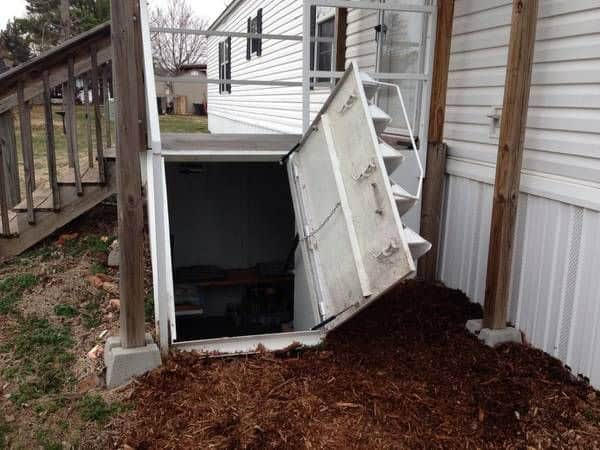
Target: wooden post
(128,68)
(341,25)
(106,92)
(9,159)
(88,120)
(97,118)
(509,160)
(71,124)
(433,185)
(3,196)
(27,148)
(50,143)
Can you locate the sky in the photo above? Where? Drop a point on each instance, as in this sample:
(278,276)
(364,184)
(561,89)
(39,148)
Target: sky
(203,8)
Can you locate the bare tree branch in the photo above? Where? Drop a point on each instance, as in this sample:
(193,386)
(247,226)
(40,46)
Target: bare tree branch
(173,51)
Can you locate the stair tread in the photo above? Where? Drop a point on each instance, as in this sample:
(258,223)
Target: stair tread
(399,191)
(88,176)
(387,151)
(13,223)
(110,153)
(42,200)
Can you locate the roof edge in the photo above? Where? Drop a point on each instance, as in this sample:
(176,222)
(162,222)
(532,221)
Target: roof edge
(226,12)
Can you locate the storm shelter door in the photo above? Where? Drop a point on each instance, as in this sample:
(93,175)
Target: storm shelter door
(351,236)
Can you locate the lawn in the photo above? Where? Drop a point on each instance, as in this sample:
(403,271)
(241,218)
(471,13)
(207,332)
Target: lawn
(52,313)
(184,124)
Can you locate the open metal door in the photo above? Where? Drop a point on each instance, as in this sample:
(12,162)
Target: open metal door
(351,236)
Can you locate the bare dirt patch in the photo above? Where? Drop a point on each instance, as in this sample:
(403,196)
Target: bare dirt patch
(402,374)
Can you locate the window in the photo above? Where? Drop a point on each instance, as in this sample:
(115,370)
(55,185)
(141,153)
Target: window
(225,66)
(325,49)
(321,51)
(402,48)
(254,45)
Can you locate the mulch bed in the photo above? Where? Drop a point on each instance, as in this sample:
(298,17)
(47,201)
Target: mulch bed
(402,374)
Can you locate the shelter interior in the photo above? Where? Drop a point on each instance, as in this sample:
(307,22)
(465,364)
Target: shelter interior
(234,249)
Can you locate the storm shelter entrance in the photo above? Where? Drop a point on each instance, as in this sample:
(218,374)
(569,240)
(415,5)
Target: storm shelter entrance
(233,244)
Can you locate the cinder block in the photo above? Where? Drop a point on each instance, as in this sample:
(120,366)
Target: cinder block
(493,338)
(122,364)
(474,326)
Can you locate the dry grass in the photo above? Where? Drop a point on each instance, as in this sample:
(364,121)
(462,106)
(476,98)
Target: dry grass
(38,131)
(168,124)
(51,393)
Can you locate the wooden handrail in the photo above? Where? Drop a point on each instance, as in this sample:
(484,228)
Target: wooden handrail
(32,69)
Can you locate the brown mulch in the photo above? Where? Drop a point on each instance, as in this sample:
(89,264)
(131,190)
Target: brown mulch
(402,374)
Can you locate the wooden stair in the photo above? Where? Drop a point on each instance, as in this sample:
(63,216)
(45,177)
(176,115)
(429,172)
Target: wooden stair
(31,211)
(47,221)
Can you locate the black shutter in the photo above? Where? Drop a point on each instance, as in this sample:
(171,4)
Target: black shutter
(220,67)
(259,28)
(228,66)
(249,41)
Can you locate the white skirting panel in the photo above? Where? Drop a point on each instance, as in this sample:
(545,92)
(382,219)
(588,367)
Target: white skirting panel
(555,286)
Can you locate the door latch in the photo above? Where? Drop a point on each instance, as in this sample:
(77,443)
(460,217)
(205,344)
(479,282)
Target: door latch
(387,252)
(380,28)
(367,171)
(349,102)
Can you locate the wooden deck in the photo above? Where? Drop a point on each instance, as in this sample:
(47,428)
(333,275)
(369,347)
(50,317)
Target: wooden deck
(224,147)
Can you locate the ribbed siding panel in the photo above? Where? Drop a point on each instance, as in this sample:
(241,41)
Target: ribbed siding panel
(555,288)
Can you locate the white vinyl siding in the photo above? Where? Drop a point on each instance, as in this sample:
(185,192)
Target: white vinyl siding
(360,38)
(269,107)
(279,109)
(563,135)
(555,289)
(261,108)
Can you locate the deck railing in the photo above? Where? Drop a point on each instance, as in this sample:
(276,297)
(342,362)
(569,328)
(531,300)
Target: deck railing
(77,68)
(309,71)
